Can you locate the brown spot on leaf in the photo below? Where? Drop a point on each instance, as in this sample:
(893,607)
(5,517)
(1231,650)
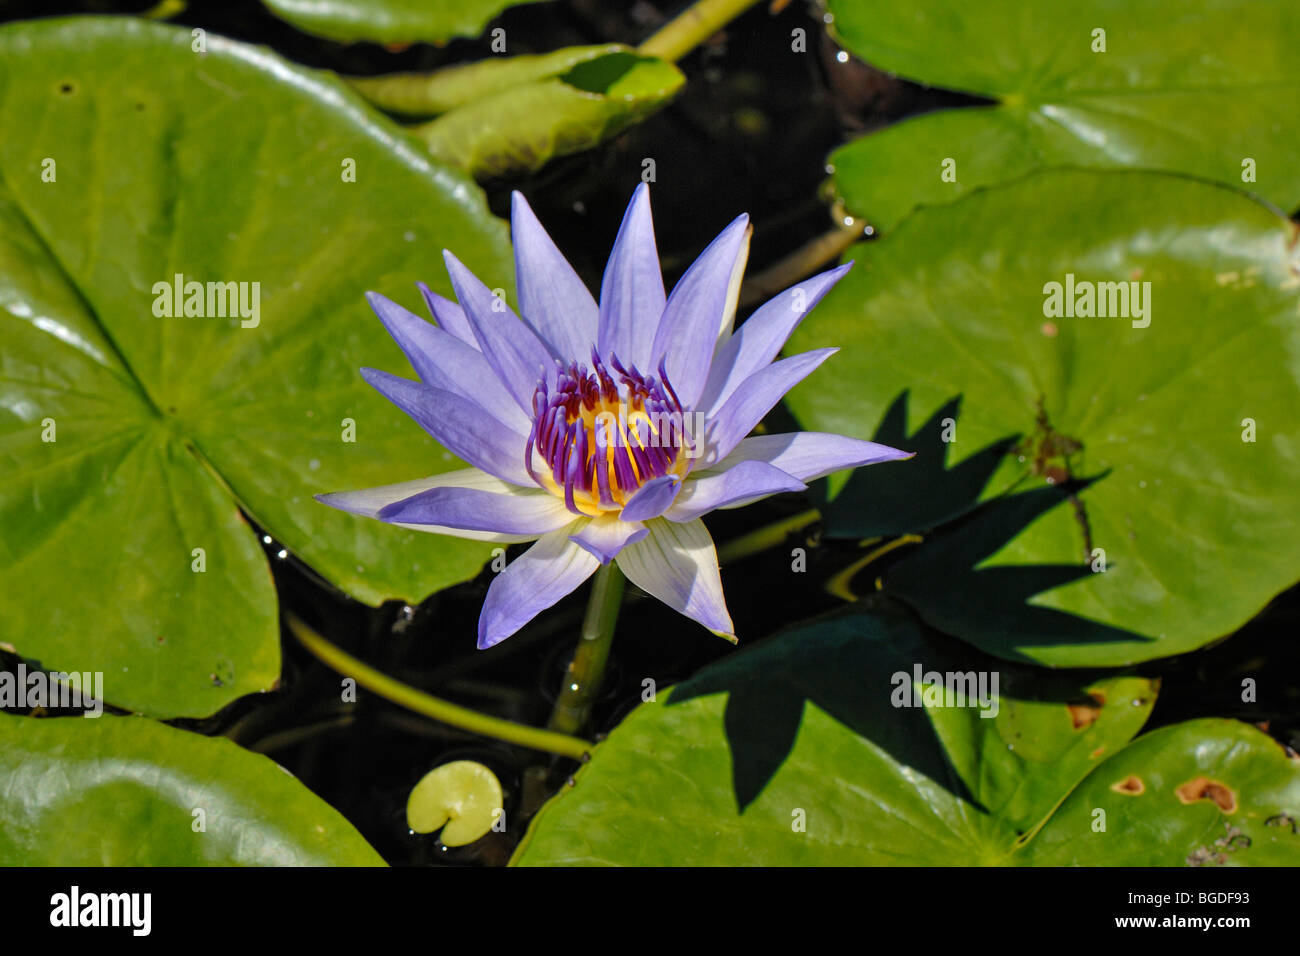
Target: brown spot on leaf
(1203,788)
(1083,716)
(1098,752)
(1130,785)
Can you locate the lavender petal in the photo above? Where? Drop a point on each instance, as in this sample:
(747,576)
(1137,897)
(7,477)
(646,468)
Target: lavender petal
(677,564)
(552,298)
(810,455)
(701,309)
(758,341)
(541,576)
(745,483)
(753,399)
(461,426)
(444,361)
(632,291)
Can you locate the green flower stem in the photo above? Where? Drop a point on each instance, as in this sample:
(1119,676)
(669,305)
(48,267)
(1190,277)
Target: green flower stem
(768,536)
(695,25)
(583,678)
(441,710)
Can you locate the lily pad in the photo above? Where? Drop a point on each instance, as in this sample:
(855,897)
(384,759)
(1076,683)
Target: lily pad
(1148,92)
(1155,457)
(795,753)
(130,440)
(391,21)
(854,780)
(521,128)
(1202,793)
(463,798)
(128,791)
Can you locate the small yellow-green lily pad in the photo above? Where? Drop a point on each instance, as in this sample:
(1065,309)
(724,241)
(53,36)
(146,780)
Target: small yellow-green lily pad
(462,797)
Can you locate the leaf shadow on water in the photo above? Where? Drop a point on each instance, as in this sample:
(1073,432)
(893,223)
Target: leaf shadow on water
(941,579)
(991,606)
(917,494)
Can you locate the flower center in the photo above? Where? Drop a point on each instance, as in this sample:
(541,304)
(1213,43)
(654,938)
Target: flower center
(600,437)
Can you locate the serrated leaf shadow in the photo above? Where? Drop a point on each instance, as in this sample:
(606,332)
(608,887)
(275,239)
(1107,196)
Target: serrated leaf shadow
(765,704)
(942,580)
(920,495)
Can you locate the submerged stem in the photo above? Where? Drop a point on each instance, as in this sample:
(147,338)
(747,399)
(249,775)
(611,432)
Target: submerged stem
(583,677)
(692,27)
(768,536)
(441,710)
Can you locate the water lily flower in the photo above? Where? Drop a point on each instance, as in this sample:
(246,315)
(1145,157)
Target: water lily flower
(602,431)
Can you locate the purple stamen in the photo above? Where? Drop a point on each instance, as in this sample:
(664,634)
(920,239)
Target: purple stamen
(583,433)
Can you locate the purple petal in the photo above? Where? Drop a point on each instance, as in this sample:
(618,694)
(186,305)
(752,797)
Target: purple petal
(605,537)
(370,501)
(652,498)
(518,355)
(754,398)
(546,572)
(553,300)
(761,337)
(632,292)
(514,513)
(676,563)
(460,425)
(445,362)
(450,317)
(699,310)
(745,483)
(810,455)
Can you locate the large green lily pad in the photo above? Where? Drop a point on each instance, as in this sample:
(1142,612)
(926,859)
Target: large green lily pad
(124,550)
(1141,423)
(792,754)
(391,21)
(1193,88)
(128,791)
